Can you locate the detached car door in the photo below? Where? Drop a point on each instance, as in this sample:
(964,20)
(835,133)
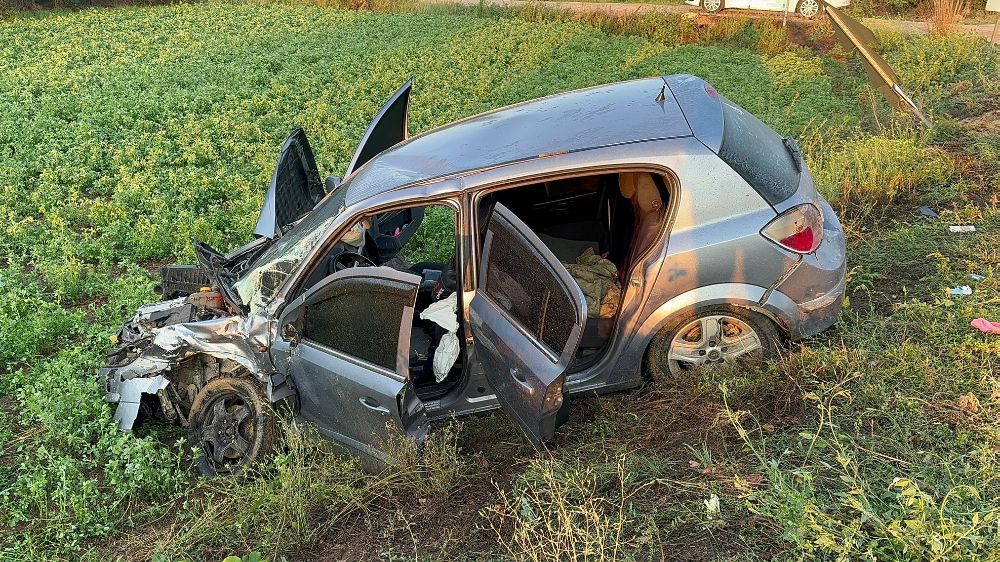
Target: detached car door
(345,345)
(527,316)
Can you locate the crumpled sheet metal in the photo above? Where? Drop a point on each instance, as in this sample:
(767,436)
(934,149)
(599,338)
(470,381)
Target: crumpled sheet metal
(130,395)
(854,36)
(234,338)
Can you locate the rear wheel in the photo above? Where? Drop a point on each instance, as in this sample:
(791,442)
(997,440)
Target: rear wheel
(709,336)
(232,423)
(809,8)
(711,6)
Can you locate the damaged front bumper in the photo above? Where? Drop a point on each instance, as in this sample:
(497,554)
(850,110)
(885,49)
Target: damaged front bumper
(127,393)
(153,353)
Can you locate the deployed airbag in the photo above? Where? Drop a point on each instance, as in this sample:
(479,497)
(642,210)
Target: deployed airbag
(444,313)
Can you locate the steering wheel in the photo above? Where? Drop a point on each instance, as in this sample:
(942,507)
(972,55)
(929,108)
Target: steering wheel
(351,259)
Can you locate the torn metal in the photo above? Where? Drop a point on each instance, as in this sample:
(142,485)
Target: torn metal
(854,36)
(152,348)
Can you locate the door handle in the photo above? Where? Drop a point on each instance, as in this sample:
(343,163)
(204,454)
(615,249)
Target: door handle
(520,379)
(373,405)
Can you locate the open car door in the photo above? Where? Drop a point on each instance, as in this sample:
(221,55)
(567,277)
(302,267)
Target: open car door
(528,316)
(388,128)
(345,345)
(295,187)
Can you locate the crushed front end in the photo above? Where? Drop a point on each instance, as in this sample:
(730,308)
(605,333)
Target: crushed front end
(169,350)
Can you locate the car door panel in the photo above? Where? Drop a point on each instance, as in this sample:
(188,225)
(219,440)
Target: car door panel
(361,395)
(294,190)
(388,128)
(771,5)
(527,319)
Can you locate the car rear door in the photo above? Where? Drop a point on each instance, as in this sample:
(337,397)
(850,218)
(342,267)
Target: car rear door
(345,346)
(388,128)
(527,318)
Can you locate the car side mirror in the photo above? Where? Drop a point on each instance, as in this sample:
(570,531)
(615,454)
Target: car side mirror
(332,183)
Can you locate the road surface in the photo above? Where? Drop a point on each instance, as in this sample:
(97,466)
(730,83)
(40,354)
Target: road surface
(624,8)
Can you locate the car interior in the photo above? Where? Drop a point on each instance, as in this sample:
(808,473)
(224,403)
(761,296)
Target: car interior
(595,225)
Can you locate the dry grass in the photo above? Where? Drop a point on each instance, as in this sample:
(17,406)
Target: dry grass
(945,15)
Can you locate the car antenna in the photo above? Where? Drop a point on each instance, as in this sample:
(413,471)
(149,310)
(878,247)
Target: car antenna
(660,97)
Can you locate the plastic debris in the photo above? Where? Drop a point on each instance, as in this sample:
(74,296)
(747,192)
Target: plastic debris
(964,291)
(976,277)
(444,313)
(961,228)
(712,506)
(928,212)
(985,326)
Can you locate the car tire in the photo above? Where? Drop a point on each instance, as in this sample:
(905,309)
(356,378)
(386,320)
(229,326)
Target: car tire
(233,425)
(711,6)
(743,334)
(809,8)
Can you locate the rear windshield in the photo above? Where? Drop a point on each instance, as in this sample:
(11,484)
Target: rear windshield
(758,154)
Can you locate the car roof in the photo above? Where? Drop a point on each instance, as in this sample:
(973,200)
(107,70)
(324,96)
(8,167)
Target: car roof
(613,114)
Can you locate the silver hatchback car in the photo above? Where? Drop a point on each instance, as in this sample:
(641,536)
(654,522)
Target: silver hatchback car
(559,246)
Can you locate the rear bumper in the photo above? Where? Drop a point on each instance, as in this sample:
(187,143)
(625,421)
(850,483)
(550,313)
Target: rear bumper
(820,313)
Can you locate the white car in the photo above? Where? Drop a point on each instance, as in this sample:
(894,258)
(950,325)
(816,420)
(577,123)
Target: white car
(805,8)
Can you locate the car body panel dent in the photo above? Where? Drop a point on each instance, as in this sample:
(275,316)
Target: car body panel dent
(230,338)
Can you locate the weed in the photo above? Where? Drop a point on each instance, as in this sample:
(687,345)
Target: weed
(565,511)
(125,132)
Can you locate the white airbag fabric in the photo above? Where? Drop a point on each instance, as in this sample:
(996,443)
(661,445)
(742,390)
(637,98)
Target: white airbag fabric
(444,313)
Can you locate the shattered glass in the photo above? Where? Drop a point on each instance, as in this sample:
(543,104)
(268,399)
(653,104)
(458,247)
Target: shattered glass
(258,286)
(360,317)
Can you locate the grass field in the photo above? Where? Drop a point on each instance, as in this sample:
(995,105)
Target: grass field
(124,132)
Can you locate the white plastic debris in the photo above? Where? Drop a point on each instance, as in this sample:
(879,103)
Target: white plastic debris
(976,277)
(444,313)
(963,291)
(961,228)
(712,506)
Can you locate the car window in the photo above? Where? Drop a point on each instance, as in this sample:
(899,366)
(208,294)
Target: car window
(259,284)
(757,154)
(360,317)
(518,281)
(434,240)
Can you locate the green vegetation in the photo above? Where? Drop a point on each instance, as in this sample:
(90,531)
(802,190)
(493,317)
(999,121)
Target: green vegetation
(124,132)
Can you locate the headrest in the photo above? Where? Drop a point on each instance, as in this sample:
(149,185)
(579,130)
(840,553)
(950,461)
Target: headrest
(640,187)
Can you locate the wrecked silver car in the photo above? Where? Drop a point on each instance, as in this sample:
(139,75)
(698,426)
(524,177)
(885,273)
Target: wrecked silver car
(585,240)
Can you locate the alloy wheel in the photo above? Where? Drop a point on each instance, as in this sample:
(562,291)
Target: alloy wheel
(228,431)
(711,5)
(711,339)
(809,8)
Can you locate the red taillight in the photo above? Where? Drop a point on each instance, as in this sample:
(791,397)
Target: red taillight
(799,229)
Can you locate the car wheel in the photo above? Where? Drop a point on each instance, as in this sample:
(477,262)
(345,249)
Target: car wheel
(232,423)
(711,6)
(711,335)
(809,8)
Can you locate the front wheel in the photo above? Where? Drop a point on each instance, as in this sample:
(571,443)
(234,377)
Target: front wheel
(709,336)
(232,423)
(711,6)
(809,8)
